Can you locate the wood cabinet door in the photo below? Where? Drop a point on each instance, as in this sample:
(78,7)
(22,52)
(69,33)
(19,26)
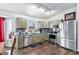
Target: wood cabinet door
(20,41)
(21,23)
(46,37)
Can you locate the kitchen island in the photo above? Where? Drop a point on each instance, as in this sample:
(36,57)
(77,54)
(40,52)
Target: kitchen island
(31,39)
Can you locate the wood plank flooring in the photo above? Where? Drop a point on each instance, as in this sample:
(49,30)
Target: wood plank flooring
(44,49)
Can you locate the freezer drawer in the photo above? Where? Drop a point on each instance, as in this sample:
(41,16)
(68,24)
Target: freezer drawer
(64,43)
(69,44)
(72,45)
(61,42)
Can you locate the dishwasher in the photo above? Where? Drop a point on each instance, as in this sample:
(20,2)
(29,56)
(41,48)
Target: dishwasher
(27,40)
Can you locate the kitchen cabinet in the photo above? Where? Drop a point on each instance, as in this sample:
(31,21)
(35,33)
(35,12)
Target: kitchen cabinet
(20,41)
(43,24)
(66,43)
(36,38)
(21,23)
(58,40)
(31,39)
(39,37)
(46,36)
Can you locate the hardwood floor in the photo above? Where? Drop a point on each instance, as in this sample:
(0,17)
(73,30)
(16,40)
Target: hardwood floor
(45,49)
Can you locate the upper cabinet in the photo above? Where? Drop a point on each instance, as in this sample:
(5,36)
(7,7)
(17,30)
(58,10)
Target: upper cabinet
(21,23)
(51,24)
(43,24)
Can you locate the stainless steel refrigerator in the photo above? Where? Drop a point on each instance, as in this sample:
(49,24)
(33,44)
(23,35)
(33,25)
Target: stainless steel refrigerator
(69,39)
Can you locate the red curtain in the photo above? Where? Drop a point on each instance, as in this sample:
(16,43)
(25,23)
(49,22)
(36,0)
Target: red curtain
(1,29)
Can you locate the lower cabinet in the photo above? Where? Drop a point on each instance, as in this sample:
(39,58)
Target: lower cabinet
(66,43)
(46,37)
(20,41)
(39,37)
(34,38)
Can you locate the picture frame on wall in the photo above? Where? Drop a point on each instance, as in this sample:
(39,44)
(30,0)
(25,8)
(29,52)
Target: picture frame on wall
(70,16)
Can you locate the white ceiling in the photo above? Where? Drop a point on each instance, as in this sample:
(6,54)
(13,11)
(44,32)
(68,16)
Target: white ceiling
(39,10)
